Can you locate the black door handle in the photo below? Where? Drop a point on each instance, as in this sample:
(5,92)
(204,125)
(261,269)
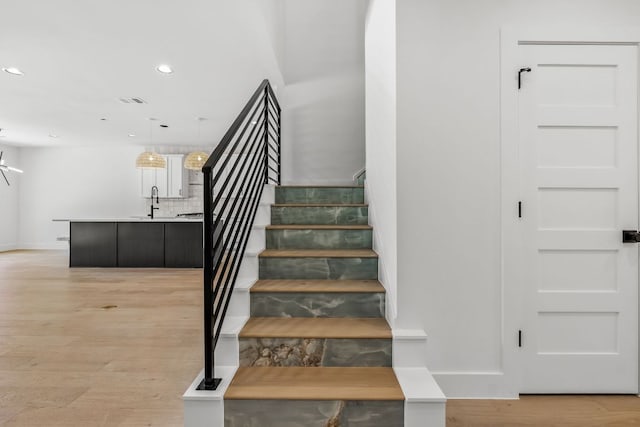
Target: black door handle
(630,236)
(525,70)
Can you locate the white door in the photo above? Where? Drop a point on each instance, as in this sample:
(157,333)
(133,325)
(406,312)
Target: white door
(578,144)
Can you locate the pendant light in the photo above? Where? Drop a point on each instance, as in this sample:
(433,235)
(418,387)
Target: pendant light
(196,160)
(151,159)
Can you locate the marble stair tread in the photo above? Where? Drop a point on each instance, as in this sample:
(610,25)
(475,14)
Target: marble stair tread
(318,253)
(316,327)
(317,286)
(320,186)
(320,205)
(350,383)
(318,227)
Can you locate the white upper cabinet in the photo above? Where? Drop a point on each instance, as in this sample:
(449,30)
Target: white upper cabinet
(172,182)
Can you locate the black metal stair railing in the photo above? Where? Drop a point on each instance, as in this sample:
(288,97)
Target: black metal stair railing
(247,158)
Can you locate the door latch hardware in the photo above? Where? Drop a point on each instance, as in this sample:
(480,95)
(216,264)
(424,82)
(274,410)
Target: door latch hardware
(630,236)
(520,338)
(522,70)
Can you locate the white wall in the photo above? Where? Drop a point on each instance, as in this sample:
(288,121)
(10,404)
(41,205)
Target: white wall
(9,202)
(323,121)
(72,182)
(448,156)
(380,78)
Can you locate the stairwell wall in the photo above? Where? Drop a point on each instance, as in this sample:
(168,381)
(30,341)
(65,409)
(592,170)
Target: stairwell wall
(9,202)
(380,81)
(448,176)
(322,56)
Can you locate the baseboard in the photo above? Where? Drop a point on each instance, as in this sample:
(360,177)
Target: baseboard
(8,247)
(476,385)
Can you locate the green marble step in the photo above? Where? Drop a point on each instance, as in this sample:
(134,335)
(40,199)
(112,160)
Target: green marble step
(317,298)
(318,264)
(278,397)
(320,194)
(303,413)
(319,237)
(318,304)
(351,214)
(314,342)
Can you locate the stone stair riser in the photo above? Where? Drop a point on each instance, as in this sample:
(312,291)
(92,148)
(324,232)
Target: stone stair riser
(315,352)
(305,215)
(319,239)
(279,413)
(318,268)
(303,304)
(319,195)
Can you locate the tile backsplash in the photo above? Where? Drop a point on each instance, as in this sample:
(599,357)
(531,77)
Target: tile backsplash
(194,186)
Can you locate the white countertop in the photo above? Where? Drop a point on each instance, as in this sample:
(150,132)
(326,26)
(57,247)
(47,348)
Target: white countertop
(130,219)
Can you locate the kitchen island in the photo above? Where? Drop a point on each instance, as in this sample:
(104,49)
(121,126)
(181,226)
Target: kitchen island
(135,242)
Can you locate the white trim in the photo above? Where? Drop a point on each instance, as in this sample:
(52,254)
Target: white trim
(8,247)
(206,407)
(512,293)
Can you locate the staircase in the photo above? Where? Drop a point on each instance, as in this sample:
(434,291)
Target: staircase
(316,350)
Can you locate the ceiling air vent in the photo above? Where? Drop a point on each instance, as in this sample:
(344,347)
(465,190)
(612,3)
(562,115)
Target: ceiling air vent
(132,100)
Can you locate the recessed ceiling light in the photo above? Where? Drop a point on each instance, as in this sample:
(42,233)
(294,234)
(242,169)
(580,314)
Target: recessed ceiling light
(13,70)
(132,135)
(53,135)
(164,69)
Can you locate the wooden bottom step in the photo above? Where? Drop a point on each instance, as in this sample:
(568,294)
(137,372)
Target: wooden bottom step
(316,327)
(315,384)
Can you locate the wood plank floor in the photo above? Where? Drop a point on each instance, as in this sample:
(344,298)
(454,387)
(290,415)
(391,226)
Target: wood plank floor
(69,358)
(546,411)
(95,347)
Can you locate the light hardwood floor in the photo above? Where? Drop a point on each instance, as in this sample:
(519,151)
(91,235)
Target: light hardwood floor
(95,347)
(118,347)
(546,411)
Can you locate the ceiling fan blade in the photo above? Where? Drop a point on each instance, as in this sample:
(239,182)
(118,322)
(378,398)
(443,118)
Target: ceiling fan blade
(15,169)
(5,177)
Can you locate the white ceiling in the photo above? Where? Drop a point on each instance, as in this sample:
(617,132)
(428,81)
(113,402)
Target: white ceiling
(79,57)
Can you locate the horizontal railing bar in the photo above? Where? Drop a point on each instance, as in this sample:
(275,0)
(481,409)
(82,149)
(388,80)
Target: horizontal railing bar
(273,97)
(254,177)
(273,139)
(233,190)
(272,116)
(272,128)
(247,227)
(226,139)
(274,159)
(226,190)
(238,139)
(252,164)
(250,146)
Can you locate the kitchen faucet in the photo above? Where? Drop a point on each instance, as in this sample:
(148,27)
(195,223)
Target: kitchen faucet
(155,190)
